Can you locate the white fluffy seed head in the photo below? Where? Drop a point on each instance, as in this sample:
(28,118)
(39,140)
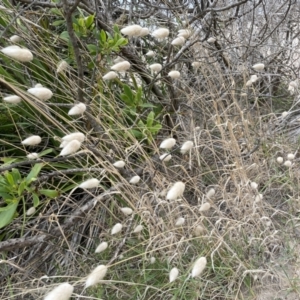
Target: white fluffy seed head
(116,229)
(284,114)
(30,211)
(15,39)
(135,179)
(287,163)
(101,247)
(279,159)
(79,136)
(254,185)
(119,164)
(121,66)
(211,40)
(178,41)
(167,143)
(126,210)
(161,33)
(165,157)
(118,59)
(291,156)
(32,140)
(199,266)
(61,292)
(155,67)
(110,75)
(150,53)
(138,229)
(258,67)
(132,30)
(41,93)
(211,192)
(249,83)
(204,207)
(70,148)
(186,33)
(17,53)
(77,109)
(152,260)
(33,155)
(173,274)
(186,146)
(180,221)
(90,183)
(145,31)
(253,78)
(176,191)
(62,66)
(199,230)
(95,276)
(258,197)
(12,99)
(174,74)
(196,64)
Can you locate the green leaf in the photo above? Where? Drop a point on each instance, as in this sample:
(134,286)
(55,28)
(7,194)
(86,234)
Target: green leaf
(147,105)
(65,36)
(150,119)
(49,193)
(34,173)
(128,93)
(16,175)
(9,178)
(102,36)
(136,133)
(21,188)
(92,48)
(36,199)
(45,152)
(89,20)
(58,22)
(155,128)
(7,216)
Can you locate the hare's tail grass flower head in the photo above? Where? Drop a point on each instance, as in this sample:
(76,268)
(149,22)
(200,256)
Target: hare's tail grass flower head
(176,191)
(30,211)
(279,159)
(145,31)
(196,64)
(132,30)
(116,229)
(180,221)
(70,148)
(211,40)
(15,39)
(61,292)
(90,183)
(96,276)
(121,66)
(291,156)
(210,193)
(126,211)
(186,146)
(12,99)
(258,67)
(135,179)
(150,53)
(155,67)
(119,164)
(178,41)
(204,207)
(186,33)
(33,155)
(41,93)
(62,66)
(101,247)
(32,140)
(165,157)
(79,136)
(77,109)
(161,33)
(167,143)
(174,74)
(173,274)
(17,53)
(138,229)
(110,75)
(199,266)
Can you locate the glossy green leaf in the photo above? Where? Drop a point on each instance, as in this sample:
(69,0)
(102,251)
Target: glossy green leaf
(7,216)
(36,199)
(34,173)
(49,193)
